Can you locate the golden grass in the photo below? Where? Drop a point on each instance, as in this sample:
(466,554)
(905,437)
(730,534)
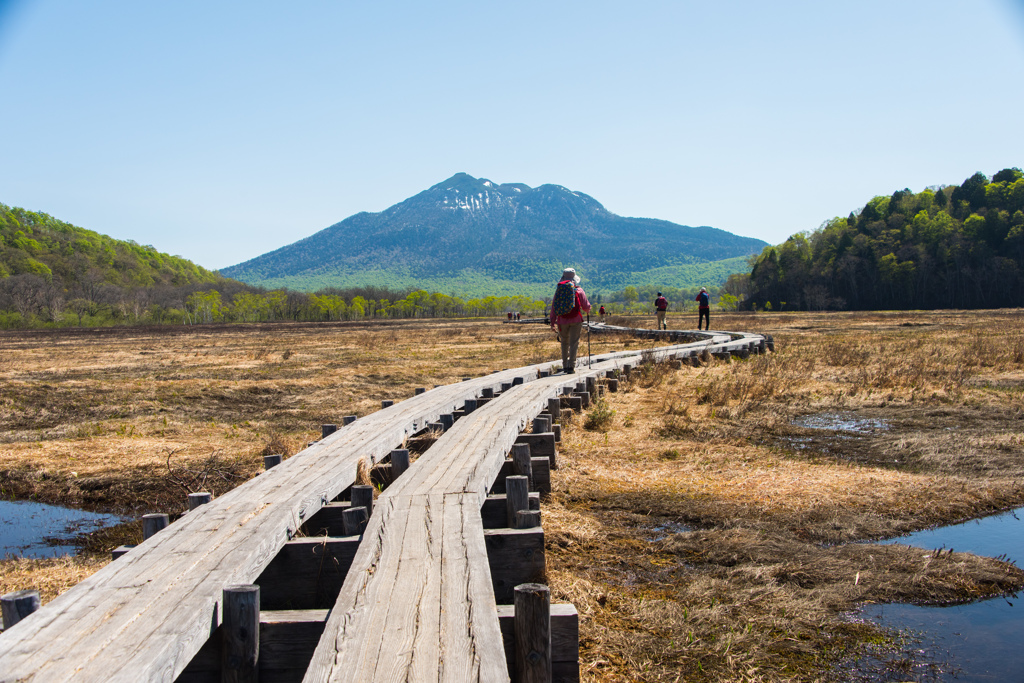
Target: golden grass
(752,592)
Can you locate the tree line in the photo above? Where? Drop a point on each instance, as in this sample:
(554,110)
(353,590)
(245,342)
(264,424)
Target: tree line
(959,246)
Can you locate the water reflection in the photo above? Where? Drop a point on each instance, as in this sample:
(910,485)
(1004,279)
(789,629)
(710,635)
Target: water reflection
(981,641)
(36,530)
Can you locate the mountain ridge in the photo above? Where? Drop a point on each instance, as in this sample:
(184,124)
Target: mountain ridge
(466,226)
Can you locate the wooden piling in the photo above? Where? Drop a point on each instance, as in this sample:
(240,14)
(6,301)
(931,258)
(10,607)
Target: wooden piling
(154,523)
(347,420)
(613,385)
(327,430)
(517,497)
(516,381)
(386,403)
(487,392)
(505,386)
(533,633)
(527,519)
(541,424)
(197,499)
(399,461)
(420,390)
(354,520)
(591,384)
(470,406)
(447,420)
(362,496)
(271,461)
(522,462)
(554,409)
(240,634)
(18,605)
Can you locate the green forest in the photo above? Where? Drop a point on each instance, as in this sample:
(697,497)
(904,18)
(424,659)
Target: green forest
(945,247)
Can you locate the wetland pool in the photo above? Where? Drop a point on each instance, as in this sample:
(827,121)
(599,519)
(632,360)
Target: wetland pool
(36,530)
(978,641)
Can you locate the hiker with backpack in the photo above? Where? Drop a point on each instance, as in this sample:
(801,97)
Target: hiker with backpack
(661,305)
(567,310)
(704,303)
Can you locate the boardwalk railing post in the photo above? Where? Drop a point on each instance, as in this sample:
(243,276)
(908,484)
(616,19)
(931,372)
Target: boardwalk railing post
(154,523)
(532,627)
(197,499)
(240,631)
(18,605)
(271,461)
(362,497)
(517,497)
(522,463)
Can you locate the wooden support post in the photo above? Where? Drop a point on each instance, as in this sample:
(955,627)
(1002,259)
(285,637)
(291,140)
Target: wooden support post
(399,461)
(487,392)
(362,496)
(516,381)
(522,462)
(154,523)
(517,497)
(119,551)
(613,385)
(544,373)
(527,519)
(271,461)
(557,429)
(541,424)
(592,386)
(447,421)
(386,403)
(327,430)
(769,341)
(197,499)
(505,386)
(576,403)
(541,446)
(627,369)
(18,605)
(533,633)
(240,634)
(584,399)
(580,387)
(347,420)
(354,521)
(555,409)
(420,390)
(469,406)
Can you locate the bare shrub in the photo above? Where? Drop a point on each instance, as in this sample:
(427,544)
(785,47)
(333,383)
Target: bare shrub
(599,418)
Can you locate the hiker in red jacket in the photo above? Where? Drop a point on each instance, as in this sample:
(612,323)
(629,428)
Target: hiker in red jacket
(601,313)
(661,305)
(567,310)
(704,316)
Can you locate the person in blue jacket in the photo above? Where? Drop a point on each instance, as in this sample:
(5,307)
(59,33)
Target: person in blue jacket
(704,304)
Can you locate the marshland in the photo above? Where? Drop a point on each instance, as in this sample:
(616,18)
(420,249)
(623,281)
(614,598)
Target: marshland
(707,522)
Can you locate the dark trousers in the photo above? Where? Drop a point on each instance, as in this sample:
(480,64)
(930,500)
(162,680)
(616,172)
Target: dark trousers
(705,316)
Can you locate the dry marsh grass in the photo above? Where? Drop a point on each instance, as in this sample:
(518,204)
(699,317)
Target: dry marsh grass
(702,533)
(707,536)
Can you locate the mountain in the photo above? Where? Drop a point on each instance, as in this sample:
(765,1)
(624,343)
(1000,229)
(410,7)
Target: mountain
(469,235)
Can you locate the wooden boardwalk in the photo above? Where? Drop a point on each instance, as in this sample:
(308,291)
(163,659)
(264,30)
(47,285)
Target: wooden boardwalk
(423,593)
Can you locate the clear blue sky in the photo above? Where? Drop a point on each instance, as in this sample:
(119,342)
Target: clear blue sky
(222,130)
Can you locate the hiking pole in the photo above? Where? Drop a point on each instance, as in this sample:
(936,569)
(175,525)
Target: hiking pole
(589,360)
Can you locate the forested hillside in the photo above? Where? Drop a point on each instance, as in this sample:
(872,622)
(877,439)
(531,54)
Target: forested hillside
(945,247)
(48,267)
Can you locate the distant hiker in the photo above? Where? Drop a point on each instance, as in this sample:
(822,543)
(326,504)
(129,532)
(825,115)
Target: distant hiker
(601,312)
(704,303)
(567,313)
(510,315)
(661,304)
